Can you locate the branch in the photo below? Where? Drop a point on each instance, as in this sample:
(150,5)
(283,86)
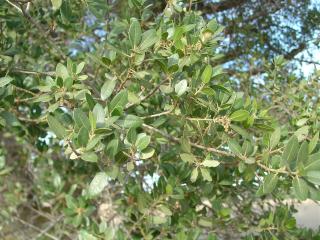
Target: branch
(259,69)
(276,171)
(51,225)
(177,140)
(42,32)
(222,153)
(149,94)
(223,6)
(17,70)
(36,228)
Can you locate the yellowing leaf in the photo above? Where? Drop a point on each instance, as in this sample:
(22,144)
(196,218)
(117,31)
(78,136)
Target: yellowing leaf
(210,163)
(56,4)
(188,158)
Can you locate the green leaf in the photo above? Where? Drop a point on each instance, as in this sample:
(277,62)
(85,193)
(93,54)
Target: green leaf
(314,194)
(300,188)
(158,220)
(91,102)
(269,184)
(313,163)
(83,234)
(98,183)
(206,174)
(80,67)
(149,38)
(173,63)
(235,147)
(290,151)
(301,122)
(98,8)
(244,133)
(142,141)
(210,163)
(165,210)
(89,157)
(194,175)
(56,127)
(107,88)
(178,33)
(313,142)
(81,119)
(275,138)
(132,121)
(147,153)
(5,80)
(62,71)
(56,4)
(302,157)
(206,74)
(120,100)
(132,135)
(134,32)
(68,82)
(239,116)
(185,145)
(93,121)
(83,136)
(181,87)
(205,222)
(188,158)
(99,115)
(247,148)
(313,177)
(130,166)
(93,142)
(112,148)
(302,133)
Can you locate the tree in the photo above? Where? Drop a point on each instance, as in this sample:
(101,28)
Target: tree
(121,123)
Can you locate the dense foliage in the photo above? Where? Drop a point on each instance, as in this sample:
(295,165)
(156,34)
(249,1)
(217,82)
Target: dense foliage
(130,128)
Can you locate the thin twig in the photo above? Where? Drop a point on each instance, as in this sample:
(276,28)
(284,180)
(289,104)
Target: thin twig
(17,70)
(42,32)
(149,94)
(157,114)
(15,6)
(35,228)
(195,145)
(24,90)
(219,152)
(51,225)
(277,171)
(162,113)
(73,149)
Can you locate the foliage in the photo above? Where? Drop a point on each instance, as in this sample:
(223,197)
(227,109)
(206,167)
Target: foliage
(143,135)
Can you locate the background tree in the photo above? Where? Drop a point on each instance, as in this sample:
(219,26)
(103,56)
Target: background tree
(142,120)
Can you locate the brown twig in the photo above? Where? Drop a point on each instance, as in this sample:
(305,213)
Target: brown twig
(36,228)
(149,94)
(195,145)
(42,32)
